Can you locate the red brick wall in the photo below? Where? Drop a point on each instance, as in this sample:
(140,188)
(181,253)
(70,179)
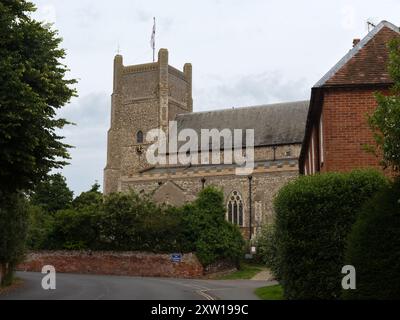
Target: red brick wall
(346,129)
(115,263)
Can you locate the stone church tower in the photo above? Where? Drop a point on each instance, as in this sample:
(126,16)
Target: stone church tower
(145,97)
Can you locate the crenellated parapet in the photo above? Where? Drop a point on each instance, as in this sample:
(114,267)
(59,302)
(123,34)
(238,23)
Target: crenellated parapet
(145,96)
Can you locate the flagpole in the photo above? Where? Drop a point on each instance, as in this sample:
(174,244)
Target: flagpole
(154,35)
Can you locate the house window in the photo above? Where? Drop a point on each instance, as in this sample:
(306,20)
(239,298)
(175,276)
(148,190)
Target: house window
(235,209)
(139,137)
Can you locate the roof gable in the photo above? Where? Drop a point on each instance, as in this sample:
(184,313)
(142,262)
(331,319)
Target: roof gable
(366,62)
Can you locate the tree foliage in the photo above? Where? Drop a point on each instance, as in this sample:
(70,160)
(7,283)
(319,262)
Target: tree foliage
(127,221)
(52,194)
(93,197)
(33,87)
(266,244)
(207,231)
(39,227)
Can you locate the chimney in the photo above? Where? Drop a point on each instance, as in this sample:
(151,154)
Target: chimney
(355,42)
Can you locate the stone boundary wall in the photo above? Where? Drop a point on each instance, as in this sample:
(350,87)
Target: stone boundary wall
(144,264)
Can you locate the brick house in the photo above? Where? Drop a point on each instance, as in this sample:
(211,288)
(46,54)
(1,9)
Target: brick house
(337,127)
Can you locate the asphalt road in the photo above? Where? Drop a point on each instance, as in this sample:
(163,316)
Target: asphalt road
(97,287)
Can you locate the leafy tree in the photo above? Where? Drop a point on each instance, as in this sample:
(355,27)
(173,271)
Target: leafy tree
(127,221)
(121,221)
(33,87)
(161,230)
(93,197)
(207,232)
(75,230)
(52,194)
(13,230)
(40,226)
(385,120)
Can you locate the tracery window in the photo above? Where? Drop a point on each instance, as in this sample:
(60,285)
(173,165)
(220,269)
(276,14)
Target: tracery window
(235,209)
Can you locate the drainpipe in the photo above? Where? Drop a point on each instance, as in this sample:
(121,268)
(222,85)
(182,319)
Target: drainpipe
(250,208)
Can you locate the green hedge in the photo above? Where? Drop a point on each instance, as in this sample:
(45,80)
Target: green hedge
(314,215)
(127,221)
(374,247)
(266,244)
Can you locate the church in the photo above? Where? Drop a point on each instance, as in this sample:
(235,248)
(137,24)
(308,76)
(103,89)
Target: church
(324,134)
(149,96)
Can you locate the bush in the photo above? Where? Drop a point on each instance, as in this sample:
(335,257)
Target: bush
(374,247)
(125,222)
(267,248)
(74,230)
(75,226)
(40,226)
(52,194)
(90,198)
(122,220)
(133,222)
(161,230)
(314,215)
(208,233)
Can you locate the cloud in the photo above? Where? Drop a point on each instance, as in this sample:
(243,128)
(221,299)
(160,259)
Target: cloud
(87,16)
(46,13)
(348,17)
(91,115)
(262,88)
(143,16)
(90,109)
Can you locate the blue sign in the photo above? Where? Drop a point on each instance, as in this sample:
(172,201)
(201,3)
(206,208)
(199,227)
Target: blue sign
(176,257)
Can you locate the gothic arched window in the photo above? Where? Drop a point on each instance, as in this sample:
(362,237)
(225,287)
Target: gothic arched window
(235,209)
(139,137)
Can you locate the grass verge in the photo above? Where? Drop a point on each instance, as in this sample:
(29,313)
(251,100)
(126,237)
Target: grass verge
(246,271)
(270,293)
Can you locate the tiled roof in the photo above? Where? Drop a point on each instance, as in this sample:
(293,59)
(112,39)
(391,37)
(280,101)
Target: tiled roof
(281,123)
(366,62)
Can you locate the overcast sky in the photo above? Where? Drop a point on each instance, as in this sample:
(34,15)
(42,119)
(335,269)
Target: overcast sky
(243,53)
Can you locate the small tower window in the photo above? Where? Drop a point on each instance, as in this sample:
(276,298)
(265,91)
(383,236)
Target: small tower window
(139,136)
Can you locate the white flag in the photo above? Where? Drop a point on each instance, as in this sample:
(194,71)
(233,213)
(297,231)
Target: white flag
(153,35)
